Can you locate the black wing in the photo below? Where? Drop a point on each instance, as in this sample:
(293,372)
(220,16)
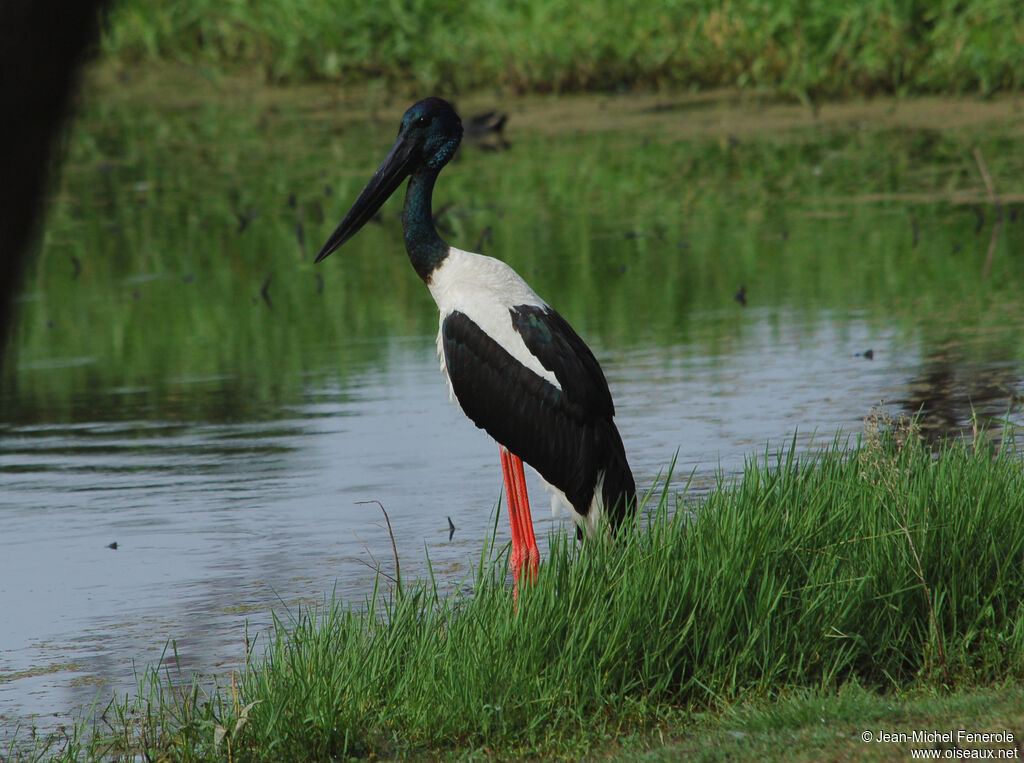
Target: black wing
(566,434)
(560,350)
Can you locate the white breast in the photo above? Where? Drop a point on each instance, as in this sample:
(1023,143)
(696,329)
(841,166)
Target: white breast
(484,289)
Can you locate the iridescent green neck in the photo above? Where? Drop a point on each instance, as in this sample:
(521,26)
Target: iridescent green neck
(425,247)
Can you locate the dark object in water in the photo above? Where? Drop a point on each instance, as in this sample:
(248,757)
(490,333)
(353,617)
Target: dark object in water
(245,217)
(265,292)
(486,131)
(741,296)
(486,235)
(451,528)
(112,545)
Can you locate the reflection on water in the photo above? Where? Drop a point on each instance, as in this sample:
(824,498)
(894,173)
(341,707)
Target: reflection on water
(217,523)
(950,396)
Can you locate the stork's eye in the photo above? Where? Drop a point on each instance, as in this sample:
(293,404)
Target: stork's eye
(421,121)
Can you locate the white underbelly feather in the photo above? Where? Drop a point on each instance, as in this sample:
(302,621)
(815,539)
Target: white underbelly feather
(444,365)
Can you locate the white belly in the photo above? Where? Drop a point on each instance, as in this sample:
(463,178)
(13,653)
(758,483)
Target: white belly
(561,508)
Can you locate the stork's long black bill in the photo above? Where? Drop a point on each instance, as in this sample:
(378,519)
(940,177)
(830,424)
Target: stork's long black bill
(389,175)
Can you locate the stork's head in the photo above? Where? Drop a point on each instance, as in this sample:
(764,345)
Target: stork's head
(432,127)
(427,139)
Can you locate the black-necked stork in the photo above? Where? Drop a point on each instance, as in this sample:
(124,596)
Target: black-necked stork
(516,367)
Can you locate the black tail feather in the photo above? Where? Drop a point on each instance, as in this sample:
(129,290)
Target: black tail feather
(619,490)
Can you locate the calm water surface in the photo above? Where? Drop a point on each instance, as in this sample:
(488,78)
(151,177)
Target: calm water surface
(218,523)
(186,385)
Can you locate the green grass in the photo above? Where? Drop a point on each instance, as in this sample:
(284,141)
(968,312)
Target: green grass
(805,48)
(882,570)
(814,725)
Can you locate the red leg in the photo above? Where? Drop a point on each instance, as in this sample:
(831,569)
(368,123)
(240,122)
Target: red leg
(511,500)
(524,544)
(526,536)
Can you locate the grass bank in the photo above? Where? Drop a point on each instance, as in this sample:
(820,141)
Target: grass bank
(849,580)
(806,48)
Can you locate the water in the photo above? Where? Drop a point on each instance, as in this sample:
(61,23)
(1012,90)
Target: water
(217,524)
(185,384)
